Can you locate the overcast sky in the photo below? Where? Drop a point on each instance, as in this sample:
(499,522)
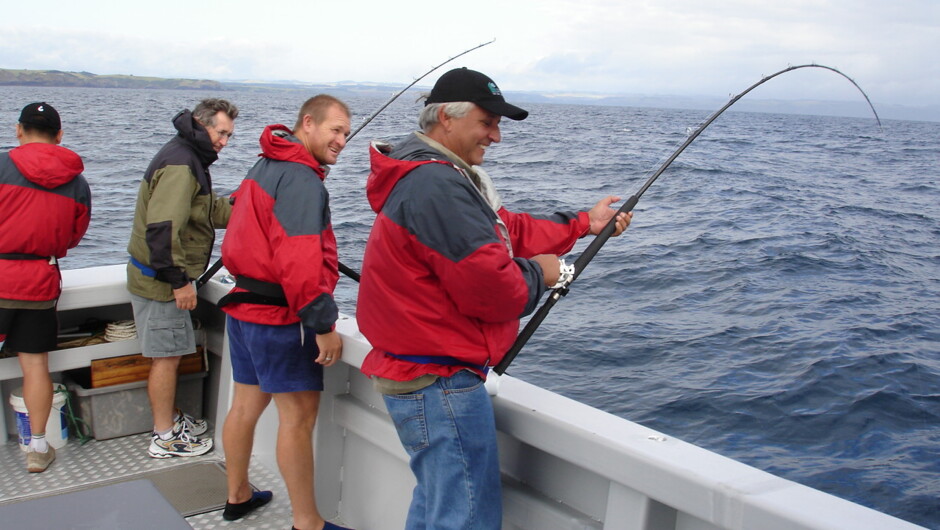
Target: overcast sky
(630,47)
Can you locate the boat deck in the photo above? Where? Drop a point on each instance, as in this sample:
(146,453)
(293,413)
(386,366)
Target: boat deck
(99,463)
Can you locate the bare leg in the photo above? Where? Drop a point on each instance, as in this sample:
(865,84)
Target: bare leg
(161,388)
(297,415)
(37,389)
(238,435)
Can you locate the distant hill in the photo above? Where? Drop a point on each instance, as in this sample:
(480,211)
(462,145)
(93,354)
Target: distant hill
(855,108)
(88,79)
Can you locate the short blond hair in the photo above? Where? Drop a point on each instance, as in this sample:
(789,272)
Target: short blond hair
(316,108)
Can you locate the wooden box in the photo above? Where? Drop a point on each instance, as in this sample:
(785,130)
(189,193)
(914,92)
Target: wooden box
(131,368)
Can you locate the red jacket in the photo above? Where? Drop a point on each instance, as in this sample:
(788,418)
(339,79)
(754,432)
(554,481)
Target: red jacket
(45,207)
(438,279)
(280,232)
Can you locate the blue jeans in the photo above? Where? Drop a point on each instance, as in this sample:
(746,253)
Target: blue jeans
(449,431)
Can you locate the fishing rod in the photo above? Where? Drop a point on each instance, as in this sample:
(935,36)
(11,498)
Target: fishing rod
(628,206)
(352,274)
(413,83)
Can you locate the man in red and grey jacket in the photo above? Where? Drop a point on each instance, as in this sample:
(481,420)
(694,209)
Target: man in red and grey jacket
(447,274)
(46,205)
(280,247)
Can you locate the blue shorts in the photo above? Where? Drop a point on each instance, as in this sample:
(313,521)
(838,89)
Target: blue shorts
(273,358)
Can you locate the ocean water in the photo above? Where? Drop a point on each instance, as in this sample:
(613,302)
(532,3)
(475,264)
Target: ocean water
(776,300)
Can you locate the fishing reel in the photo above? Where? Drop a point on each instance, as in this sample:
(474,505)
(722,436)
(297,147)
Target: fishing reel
(565,275)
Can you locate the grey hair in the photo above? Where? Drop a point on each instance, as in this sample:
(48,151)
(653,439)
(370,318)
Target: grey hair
(455,109)
(206,110)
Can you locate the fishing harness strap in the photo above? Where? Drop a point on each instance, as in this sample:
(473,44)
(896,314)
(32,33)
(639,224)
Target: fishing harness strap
(255,292)
(439,359)
(144,269)
(22,256)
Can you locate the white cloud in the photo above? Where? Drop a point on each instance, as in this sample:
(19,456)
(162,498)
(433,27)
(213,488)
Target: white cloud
(682,47)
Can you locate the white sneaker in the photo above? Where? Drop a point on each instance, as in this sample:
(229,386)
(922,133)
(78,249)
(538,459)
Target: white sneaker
(182,443)
(194,426)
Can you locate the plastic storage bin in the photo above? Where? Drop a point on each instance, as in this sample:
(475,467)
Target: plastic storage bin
(121,410)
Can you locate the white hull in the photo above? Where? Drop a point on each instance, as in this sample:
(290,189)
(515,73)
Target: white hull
(565,465)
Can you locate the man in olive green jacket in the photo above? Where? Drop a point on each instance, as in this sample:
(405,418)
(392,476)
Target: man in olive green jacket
(171,243)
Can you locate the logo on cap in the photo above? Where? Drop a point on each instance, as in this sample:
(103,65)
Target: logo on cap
(493,89)
(40,109)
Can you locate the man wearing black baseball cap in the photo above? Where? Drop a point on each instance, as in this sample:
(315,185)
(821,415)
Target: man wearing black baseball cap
(462,84)
(41,116)
(46,205)
(447,274)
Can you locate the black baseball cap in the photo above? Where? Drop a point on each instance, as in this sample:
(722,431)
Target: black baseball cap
(462,84)
(41,115)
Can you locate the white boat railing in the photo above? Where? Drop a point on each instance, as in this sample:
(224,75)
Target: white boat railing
(565,465)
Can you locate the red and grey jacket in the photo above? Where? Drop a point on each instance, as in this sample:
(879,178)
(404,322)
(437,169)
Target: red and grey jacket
(280,233)
(45,207)
(438,278)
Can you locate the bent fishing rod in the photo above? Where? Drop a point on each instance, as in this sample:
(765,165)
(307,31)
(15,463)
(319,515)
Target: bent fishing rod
(210,272)
(607,232)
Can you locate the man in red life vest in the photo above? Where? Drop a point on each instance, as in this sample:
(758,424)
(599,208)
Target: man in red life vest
(46,205)
(280,247)
(447,274)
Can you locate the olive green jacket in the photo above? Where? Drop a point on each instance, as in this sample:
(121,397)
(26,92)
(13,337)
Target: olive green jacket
(176,215)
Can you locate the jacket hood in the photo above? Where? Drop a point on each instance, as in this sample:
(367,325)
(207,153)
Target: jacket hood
(196,135)
(389,165)
(47,165)
(277,143)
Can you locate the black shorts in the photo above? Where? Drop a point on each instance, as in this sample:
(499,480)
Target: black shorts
(29,330)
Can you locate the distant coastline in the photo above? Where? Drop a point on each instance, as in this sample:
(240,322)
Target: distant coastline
(58,78)
(857,109)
